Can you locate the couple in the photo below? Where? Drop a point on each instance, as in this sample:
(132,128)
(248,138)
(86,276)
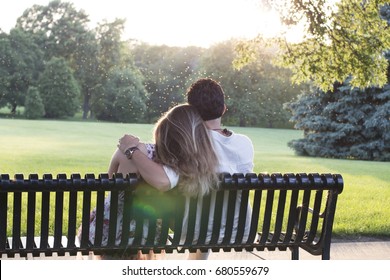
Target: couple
(190,147)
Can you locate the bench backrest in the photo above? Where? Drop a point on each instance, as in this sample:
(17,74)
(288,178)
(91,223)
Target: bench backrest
(42,215)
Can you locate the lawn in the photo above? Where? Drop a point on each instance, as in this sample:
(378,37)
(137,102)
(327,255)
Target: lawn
(86,147)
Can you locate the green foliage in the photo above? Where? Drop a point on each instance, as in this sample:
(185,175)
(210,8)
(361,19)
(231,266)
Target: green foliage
(256,92)
(34,108)
(59,89)
(104,53)
(123,98)
(20,63)
(350,122)
(240,86)
(166,71)
(109,38)
(346,39)
(62,31)
(347,123)
(56,27)
(352,46)
(87,70)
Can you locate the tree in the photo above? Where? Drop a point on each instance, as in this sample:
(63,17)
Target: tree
(255,93)
(5,62)
(109,37)
(241,102)
(20,64)
(87,70)
(59,89)
(124,97)
(33,106)
(56,27)
(62,31)
(344,40)
(111,53)
(347,123)
(166,70)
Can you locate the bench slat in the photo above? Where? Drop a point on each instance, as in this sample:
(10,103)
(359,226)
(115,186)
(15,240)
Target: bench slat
(220,197)
(16,220)
(72,216)
(204,222)
(58,218)
(242,219)
(255,216)
(45,212)
(315,216)
(31,205)
(178,224)
(230,214)
(303,211)
(267,216)
(279,216)
(114,198)
(86,209)
(3,220)
(292,216)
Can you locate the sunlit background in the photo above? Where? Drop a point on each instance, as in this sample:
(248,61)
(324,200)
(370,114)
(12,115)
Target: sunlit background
(171,22)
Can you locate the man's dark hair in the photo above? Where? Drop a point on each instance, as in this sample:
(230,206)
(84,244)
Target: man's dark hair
(207,96)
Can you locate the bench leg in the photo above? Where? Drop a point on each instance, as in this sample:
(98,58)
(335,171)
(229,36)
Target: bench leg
(295,253)
(326,253)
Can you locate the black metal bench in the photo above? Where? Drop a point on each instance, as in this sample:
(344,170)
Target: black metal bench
(289,211)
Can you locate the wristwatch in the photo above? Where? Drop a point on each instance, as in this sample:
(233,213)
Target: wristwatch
(129,152)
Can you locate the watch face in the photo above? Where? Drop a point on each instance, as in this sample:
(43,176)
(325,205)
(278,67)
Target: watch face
(128,153)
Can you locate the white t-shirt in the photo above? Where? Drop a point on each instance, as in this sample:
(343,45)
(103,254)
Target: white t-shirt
(235,155)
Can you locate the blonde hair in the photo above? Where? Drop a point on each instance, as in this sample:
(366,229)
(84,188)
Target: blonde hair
(184,144)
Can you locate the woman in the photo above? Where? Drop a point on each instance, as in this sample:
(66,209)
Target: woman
(182,155)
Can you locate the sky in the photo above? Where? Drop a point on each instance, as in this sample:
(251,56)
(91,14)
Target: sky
(170,22)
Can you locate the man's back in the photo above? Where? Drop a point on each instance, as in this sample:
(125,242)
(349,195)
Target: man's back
(235,152)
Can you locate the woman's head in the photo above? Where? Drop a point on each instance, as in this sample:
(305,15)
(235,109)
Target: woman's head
(183,143)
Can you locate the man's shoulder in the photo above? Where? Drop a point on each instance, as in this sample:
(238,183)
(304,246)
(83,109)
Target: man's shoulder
(233,137)
(241,137)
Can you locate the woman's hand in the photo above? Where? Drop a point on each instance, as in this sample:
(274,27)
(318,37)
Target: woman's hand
(127,141)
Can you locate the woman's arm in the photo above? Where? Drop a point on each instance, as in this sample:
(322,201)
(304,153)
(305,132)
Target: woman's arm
(153,173)
(114,164)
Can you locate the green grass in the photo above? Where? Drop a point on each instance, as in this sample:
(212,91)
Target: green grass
(86,147)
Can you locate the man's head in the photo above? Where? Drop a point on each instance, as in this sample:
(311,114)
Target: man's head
(207,96)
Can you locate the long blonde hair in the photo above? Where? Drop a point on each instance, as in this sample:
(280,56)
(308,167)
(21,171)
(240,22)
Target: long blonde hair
(183,143)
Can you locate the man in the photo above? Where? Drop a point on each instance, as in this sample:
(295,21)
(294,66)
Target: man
(234,151)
